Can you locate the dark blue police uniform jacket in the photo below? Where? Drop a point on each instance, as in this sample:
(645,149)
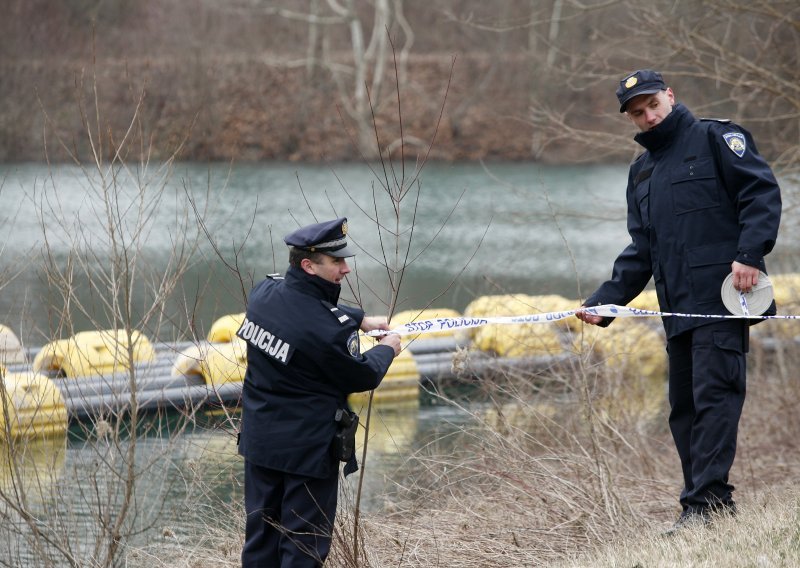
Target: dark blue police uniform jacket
(303,359)
(694,206)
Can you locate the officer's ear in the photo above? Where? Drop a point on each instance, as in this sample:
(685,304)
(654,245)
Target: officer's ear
(308,266)
(670,97)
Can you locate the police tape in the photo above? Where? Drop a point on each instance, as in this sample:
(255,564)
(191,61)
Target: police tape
(607,310)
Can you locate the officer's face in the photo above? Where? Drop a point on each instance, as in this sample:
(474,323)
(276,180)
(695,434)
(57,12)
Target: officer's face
(647,111)
(329,268)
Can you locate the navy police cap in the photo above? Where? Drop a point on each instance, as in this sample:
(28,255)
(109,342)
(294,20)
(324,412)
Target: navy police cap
(641,82)
(328,237)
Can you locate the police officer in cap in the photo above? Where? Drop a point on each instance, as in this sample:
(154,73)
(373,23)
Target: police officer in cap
(303,359)
(702,204)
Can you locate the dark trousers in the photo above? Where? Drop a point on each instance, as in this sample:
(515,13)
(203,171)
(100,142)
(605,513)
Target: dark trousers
(707,379)
(289,518)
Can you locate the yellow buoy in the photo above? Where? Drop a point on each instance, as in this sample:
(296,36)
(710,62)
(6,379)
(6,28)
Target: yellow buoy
(10,347)
(627,346)
(493,306)
(409,316)
(94,353)
(786,288)
(399,385)
(217,363)
(519,340)
(31,406)
(224,329)
(547,303)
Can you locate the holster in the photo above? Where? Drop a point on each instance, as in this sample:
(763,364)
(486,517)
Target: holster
(343,447)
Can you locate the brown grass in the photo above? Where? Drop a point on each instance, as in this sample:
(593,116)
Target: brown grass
(551,477)
(559,471)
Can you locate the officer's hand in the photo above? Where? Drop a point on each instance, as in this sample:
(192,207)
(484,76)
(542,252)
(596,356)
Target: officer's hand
(373,323)
(744,276)
(583,315)
(393,341)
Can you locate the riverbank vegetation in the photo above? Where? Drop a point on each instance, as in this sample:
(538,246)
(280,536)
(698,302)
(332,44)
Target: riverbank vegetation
(289,80)
(563,469)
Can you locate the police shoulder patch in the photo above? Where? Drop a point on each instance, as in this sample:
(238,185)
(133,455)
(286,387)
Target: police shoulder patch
(354,344)
(736,142)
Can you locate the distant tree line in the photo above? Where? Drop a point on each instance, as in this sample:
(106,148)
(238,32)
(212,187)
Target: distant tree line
(311,79)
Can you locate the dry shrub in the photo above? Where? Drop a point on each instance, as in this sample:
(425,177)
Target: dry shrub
(547,474)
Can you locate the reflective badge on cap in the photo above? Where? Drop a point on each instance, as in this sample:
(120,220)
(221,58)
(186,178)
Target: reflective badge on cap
(344,227)
(353,344)
(631,82)
(736,142)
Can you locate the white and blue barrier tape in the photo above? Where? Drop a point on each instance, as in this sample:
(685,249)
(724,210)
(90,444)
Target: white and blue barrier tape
(608,310)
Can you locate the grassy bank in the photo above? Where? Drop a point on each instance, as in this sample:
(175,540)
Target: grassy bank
(764,534)
(558,470)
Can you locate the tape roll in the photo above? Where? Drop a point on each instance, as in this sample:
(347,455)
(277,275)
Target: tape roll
(757,300)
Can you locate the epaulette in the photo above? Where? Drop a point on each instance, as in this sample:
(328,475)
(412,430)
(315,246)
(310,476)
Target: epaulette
(720,120)
(275,276)
(337,313)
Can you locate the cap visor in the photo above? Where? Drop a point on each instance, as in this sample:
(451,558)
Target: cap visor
(345,252)
(644,92)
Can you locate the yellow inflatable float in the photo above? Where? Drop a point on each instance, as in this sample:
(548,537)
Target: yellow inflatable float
(217,363)
(94,353)
(519,340)
(399,386)
(224,329)
(409,316)
(10,347)
(31,405)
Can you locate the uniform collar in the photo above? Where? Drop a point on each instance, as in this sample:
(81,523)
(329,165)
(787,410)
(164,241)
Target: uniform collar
(668,129)
(312,285)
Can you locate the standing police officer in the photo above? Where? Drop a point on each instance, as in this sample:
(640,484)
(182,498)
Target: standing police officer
(702,203)
(303,359)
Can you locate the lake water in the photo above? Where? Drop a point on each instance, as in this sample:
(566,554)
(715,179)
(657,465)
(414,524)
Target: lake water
(476,230)
(464,230)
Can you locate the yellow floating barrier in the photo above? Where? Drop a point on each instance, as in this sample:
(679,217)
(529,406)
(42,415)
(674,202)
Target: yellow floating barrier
(628,346)
(519,340)
(31,406)
(399,385)
(10,347)
(408,316)
(94,353)
(555,303)
(492,306)
(647,300)
(224,329)
(217,363)
(786,289)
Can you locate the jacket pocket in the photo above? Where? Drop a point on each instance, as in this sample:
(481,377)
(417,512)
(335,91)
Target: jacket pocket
(708,267)
(694,186)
